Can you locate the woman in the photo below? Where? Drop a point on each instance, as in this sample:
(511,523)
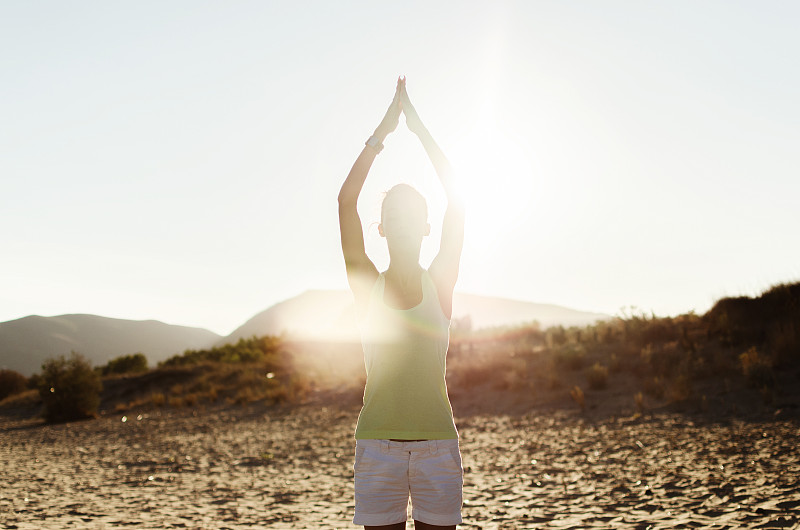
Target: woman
(406,440)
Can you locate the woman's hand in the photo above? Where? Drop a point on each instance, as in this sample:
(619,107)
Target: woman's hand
(392,117)
(413,122)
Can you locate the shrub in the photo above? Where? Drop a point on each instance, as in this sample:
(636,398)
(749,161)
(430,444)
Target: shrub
(615,364)
(784,341)
(69,388)
(663,358)
(597,376)
(757,369)
(681,387)
(11,383)
(267,348)
(578,397)
(556,336)
(571,355)
(744,320)
(639,400)
(126,364)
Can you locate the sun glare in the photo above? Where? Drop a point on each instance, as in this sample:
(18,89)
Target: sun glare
(496,179)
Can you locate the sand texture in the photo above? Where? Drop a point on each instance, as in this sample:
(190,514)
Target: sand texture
(255,467)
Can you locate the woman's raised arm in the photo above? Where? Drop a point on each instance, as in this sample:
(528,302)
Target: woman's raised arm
(444,268)
(361,272)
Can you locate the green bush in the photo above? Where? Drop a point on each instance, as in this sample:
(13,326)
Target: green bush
(70,388)
(245,351)
(11,383)
(126,364)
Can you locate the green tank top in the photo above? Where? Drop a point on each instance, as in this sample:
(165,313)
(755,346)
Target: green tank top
(404,353)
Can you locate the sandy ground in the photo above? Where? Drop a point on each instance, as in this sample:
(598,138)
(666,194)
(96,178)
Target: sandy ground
(254,467)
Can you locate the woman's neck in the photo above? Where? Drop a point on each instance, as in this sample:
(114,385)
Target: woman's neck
(403,268)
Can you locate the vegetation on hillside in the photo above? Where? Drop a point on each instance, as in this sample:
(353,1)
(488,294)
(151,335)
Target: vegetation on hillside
(125,364)
(741,345)
(740,342)
(11,383)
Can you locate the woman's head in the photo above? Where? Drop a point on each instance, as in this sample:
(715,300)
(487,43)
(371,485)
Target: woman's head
(404,215)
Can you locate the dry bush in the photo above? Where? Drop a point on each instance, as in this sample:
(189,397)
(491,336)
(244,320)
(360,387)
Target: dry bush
(639,330)
(597,376)
(681,388)
(578,397)
(629,358)
(12,383)
(606,332)
(556,336)
(757,368)
(571,356)
(69,388)
(468,375)
(478,368)
(614,364)
(512,380)
(158,399)
(663,358)
(784,342)
(745,321)
(245,395)
(638,399)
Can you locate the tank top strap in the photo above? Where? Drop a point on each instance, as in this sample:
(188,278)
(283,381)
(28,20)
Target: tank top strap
(428,287)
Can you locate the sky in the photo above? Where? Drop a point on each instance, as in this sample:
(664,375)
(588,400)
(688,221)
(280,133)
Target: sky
(180,160)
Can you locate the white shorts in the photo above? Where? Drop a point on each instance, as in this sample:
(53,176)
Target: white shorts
(387,472)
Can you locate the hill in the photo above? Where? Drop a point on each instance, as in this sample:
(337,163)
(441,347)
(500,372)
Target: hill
(321,315)
(740,359)
(26,342)
(330,315)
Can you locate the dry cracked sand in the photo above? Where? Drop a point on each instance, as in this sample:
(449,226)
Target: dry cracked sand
(255,467)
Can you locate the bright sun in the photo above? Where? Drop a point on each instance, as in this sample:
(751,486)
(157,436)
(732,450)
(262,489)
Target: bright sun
(495,174)
(497,180)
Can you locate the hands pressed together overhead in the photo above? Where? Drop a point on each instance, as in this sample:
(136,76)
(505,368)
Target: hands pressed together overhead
(400,103)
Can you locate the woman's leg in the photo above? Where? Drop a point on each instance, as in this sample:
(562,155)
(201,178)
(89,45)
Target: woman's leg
(397,526)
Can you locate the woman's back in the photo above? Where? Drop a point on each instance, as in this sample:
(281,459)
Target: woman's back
(404,353)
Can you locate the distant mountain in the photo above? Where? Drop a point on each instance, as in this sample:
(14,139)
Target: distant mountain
(325,315)
(330,315)
(316,315)
(26,342)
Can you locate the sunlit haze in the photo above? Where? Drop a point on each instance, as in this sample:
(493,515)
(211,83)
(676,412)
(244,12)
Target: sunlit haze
(180,161)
